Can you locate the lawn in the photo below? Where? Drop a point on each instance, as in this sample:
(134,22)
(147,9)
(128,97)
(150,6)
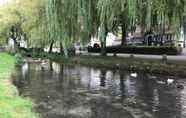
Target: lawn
(11,104)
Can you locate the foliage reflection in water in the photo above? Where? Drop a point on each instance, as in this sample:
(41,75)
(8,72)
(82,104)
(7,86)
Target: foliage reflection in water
(61,91)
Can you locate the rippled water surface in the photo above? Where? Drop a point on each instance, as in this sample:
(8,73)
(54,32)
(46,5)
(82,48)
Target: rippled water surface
(61,91)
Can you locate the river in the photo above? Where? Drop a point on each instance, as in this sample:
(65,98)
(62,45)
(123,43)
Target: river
(63,91)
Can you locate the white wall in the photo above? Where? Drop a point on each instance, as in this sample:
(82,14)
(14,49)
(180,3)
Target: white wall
(111,40)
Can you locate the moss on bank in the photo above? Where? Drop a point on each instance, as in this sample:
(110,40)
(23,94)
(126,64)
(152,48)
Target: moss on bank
(11,104)
(172,68)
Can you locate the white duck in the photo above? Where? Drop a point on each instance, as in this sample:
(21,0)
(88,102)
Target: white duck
(170,81)
(134,75)
(160,82)
(44,65)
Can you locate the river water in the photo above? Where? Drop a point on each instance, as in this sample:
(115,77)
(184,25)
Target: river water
(61,91)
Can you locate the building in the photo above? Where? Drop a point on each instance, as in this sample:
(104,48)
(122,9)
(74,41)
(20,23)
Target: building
(112,40)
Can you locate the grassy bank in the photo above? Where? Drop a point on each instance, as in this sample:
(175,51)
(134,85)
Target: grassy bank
(11,104)
(172,68)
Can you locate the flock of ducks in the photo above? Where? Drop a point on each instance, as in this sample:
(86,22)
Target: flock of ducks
(168,82)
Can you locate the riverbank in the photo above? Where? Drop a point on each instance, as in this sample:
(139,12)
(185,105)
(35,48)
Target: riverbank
(153,66)
(11,104)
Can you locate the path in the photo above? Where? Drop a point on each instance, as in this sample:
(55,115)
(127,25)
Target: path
(174,58)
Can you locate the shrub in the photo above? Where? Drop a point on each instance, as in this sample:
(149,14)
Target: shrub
(19,59)
(155,50)
(71,51)
(94,49)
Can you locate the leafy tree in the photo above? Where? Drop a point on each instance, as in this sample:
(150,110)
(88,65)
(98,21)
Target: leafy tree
(48,22)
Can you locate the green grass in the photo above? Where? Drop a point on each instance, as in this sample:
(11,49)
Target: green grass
(11,104)
(6,65)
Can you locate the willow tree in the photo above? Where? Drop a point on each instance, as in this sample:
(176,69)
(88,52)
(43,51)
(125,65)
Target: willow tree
(125,16)
(151,15)
(88,19)
(114,14)
(70,21)
(176,15)
(63,22)
(52,26)
(157,14)
(106,21)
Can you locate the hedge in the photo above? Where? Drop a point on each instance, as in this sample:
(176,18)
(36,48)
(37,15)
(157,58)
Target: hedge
(154,50)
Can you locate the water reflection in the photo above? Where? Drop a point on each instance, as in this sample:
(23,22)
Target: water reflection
(24,69)
(103,77)
(84,92)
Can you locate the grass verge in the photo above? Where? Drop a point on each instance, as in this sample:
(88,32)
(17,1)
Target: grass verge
(11,104)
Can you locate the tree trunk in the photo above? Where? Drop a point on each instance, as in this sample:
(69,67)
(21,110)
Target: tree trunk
(16,45)
(61,49)
(184,29)
(103,46)
(65,50)
(103,42)
(124,34)
(51,46)
(142,30)
(26,39)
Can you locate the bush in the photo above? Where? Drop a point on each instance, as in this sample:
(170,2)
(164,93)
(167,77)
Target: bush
(19,59)
(71,51)
(155,50)
(94,49)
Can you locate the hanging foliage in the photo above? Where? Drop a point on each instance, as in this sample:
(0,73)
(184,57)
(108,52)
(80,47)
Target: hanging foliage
(79,20)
